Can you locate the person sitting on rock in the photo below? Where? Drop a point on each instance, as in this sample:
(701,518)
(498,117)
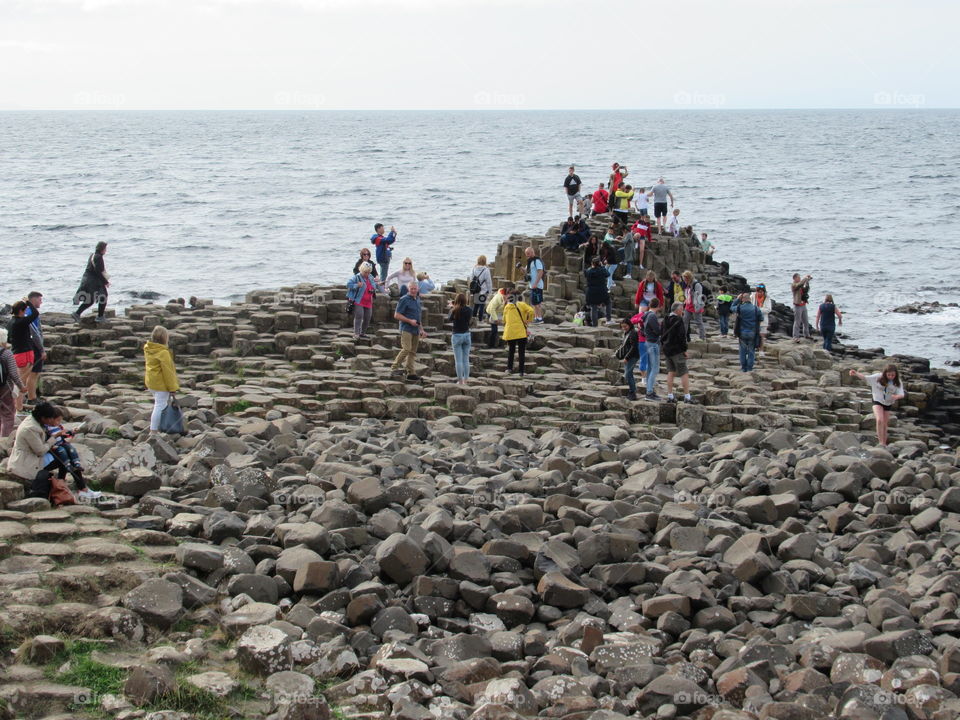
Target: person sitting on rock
(674,342)
(600,200)
(402,277)
(66,454)
(886,387)
(31,459)
(707,246)
(568,233)
(425,284)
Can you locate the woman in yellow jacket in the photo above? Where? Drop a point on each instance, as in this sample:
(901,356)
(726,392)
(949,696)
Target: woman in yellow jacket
(161,376)
(516,317)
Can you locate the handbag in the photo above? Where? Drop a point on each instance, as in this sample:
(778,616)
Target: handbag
(59,492)
(171,419)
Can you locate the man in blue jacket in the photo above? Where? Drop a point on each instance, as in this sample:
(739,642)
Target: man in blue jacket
(383,243)
(748,319)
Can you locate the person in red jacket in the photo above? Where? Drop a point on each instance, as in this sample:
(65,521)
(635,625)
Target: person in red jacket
(648,289)
(600,200)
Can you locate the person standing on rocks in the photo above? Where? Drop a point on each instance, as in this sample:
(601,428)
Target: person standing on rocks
(828,317)
(536,273)
(629,253)
(495,314)
(384,247)
(660,192)
(590,248)
(693,305)
(596,294)
(746,327)
(648,289)
(886,387)
(160,374)
(724,301)
(617,175)
(652,332)
(516,329)
(365,258)
(10,387)
(22,346)
(361,289)
(408,313)
(93,285)
(481,285)
(601,200)
(629,354)
(642,203)
(572,185)
(34,301)
(622,199)
(801,296)
(641,232)
(460,316)
(765,305)
(675,292)
(674,342)
(608,256)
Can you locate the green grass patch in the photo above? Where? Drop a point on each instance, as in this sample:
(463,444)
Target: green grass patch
(238,406)
(200,704)
(82,671)
(113,433)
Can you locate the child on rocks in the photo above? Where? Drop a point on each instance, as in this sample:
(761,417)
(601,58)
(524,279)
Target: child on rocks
(66,454)
(674,227)
(494,311)
(629,354)
(723,310)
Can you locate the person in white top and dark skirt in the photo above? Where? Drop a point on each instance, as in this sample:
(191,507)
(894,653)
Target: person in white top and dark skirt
(886,387)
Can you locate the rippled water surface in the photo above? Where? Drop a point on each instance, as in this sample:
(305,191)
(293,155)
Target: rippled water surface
(214,204)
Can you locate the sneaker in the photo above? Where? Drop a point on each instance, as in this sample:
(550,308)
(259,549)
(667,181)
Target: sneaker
(413,378)
(538,321)
(88,494)
(653,396)
(671,398)
(101,319)
(689,400)
(631,396)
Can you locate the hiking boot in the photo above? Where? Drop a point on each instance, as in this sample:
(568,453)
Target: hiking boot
(414,378)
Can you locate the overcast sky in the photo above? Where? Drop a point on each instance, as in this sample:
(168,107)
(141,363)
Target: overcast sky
(477,54)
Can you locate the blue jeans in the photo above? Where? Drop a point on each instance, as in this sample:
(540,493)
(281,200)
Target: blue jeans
(611,269)
(384,269)
(461,354)
(827,332)
(644,360)
(724,323)
(748,350)
(653,365)
(628,374)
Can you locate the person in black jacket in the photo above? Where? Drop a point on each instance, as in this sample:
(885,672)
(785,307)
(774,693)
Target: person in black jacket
(629,353)
(590,248)
(365,258)
(596,293)
(674,342)
(93,285)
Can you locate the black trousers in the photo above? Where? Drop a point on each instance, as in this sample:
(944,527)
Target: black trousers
(520,343)
(101,307)
(41,482)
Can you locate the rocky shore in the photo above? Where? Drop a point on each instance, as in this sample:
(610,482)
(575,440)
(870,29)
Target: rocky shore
(326,541)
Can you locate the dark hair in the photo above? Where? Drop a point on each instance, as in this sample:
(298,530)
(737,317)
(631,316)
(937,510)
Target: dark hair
(378,227)
(626,321)
(46,410)
(654,303)
(101,246)
(18,307)
(595,261)
(459,303)
(34,294)
(723,288)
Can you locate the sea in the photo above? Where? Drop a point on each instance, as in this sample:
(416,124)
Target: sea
(214,204)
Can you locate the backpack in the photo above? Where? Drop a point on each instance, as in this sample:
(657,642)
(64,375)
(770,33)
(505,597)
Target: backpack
(475,286)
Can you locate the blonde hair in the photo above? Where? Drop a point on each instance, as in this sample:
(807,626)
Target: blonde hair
(408,260)
(365,266)
(688,275)
(3,337)
(160,335)
(482,260)
(422,276)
